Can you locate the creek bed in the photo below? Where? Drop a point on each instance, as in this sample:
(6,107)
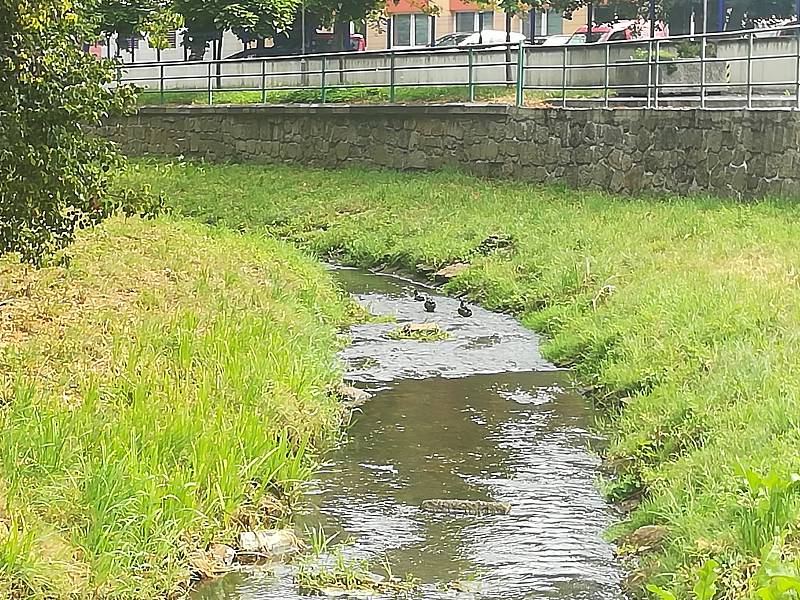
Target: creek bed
(479,416)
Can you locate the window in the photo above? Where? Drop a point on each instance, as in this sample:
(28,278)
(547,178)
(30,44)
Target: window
(555,22)
(411,30)
(131,43)
(422,24)
(547,23)
(474,21)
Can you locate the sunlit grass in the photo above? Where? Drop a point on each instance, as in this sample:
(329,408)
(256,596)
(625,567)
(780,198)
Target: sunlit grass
(159,392)
(682,315)
(499,94)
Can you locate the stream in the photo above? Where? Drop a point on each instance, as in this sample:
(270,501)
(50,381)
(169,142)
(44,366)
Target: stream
(479,416)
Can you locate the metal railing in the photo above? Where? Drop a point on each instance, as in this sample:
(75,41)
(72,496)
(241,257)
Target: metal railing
(741,69)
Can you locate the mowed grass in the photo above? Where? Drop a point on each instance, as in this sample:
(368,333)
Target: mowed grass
(170,387)
(683,316)
(495,94)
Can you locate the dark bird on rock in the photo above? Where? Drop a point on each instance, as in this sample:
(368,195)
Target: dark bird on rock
(464,310)
(418,297)
(430,305)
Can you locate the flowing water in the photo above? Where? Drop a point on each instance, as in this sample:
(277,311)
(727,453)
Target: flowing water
(480,416)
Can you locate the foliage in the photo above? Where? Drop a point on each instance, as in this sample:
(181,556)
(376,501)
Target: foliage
(769,506)
(685,49)
(705,587)
(777,579)
(127,18)
(660,593)
(169,388)
(207,19)
(341,573)
(693,353)
(54,175)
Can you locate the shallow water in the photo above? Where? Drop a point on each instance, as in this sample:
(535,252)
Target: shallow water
(480,416)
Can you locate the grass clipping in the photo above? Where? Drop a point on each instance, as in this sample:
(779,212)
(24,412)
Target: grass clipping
(156,395)
(421,332)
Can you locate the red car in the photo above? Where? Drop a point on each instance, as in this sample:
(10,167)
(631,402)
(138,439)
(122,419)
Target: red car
(620,31)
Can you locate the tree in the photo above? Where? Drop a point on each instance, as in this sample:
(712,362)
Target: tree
(205,20)
(54,175)
(127,18)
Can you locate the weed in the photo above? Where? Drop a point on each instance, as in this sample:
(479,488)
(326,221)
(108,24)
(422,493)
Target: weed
(776,578)
(342,573)
(424,332)
(769,506)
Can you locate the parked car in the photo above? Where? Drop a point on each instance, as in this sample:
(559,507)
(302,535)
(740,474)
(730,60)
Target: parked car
(619,31)
(320,42)
(770,28)
(478,38)
(788,32)
(561,39)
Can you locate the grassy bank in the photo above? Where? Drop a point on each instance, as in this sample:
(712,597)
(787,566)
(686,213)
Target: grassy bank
(682,316)
(362,95)
(168,388)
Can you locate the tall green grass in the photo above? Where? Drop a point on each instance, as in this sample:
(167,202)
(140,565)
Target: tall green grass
(681,315)
(169,387)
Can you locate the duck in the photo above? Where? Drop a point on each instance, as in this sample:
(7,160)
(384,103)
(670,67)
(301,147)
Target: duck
(430,305)
(418,297)
(464,310)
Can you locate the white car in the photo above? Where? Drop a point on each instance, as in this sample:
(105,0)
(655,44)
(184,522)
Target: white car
(561,39)
(479,38)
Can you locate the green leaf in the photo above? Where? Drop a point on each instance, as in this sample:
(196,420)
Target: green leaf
(661,594)
(706,588)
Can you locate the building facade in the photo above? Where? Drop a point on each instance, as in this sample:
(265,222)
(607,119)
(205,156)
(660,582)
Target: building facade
(410,24)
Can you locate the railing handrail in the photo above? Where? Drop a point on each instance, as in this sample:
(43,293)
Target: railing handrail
(738,33)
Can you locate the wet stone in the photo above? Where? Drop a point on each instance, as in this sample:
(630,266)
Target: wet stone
(470,507)
(646,537)
(451,271)
(270,542)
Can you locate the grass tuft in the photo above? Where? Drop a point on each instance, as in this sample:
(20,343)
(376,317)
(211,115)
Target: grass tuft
(425,332)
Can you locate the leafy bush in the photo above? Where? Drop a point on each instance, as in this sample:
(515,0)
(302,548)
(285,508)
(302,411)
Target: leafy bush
(54,175)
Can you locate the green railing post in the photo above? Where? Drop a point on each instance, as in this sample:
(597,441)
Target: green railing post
(564,77)
(471,76)
(606,60)
(322,80)
(161,84)
(797,70)
(210,92)
(391,78)
(520,75)
(656,75)
(264,81)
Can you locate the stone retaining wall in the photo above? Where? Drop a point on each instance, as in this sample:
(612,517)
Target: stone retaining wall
(725,153)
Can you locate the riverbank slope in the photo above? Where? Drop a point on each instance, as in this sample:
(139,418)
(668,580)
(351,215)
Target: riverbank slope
(167,388)
(681,316)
